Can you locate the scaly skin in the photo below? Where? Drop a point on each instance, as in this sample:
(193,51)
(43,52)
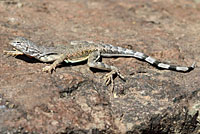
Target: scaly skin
(78,51)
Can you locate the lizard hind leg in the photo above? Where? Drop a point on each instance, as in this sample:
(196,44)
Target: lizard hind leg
(94,63)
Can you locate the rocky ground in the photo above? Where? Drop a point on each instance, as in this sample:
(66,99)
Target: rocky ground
(73,99)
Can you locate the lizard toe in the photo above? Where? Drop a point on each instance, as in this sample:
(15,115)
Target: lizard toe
(48,69)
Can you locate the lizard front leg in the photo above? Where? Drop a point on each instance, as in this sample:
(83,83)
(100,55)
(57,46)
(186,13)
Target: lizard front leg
(53,66)
(93,62)
(13,53)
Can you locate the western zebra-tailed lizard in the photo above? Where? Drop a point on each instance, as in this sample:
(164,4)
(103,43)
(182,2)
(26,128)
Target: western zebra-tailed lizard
(78,51)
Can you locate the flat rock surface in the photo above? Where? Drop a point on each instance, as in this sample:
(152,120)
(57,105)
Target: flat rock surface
(73,99)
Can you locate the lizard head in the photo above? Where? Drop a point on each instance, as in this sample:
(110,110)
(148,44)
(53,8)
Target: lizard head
(26,46)
(29,48)
(20,43)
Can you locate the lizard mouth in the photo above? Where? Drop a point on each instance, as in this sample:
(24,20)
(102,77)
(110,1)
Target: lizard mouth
(12,43)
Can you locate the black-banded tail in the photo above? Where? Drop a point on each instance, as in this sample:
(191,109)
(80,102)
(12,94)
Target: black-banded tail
(161,65)
(119,51)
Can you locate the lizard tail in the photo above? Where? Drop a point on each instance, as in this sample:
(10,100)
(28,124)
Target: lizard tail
(141,56)
(161,65)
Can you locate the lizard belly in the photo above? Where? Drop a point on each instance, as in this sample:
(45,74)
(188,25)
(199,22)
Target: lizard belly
(49,58)
(76,60)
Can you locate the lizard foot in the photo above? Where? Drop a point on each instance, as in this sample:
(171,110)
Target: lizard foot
(48,69)
(12,53)
(108,78)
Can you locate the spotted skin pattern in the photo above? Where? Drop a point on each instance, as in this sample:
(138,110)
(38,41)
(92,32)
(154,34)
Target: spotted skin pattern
(78,51)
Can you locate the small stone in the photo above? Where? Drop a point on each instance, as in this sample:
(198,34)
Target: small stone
(54,123)
(19,5)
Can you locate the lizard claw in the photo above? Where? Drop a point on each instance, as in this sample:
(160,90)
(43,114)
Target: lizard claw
(108,78)
(5,52)
(48,69)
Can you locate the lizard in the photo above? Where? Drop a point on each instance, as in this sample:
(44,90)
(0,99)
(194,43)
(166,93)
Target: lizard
(78,51)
